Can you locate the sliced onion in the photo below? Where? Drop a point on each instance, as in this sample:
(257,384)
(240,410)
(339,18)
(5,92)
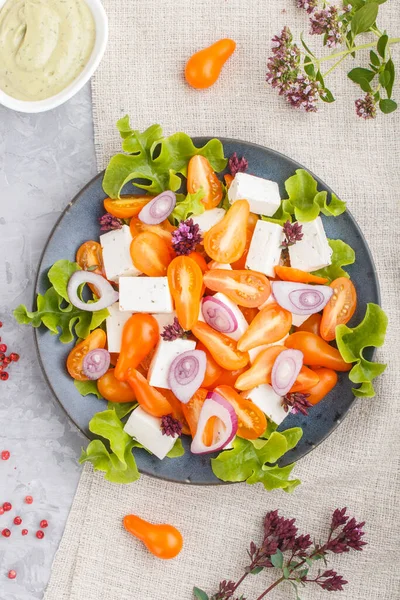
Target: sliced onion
(215,406)
(186,374)
(96,363)
(301,298)
(218,315)
(286,368)
(104,290)
(158,209)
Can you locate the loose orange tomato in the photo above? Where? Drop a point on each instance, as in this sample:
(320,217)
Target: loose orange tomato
(204,67)
(96,339)
(126,206)
(164,541)
(261,369)
(177,408)
(90,257)
(222,348)
(113,390)
(340,307)
(245,288)
(213,370)
(316,351)
(200,260)
(185,281)
(149,398)
(150,254)
(312,324)
(251,420)
(327,381)
(225,242)
(192,409)
(297,275)
(270,325)
(164,229)
(306,379)
(202,176)
(139,337)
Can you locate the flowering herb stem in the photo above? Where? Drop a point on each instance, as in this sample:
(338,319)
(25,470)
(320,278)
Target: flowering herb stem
(345,53)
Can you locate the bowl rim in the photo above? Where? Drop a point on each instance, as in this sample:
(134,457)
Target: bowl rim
(38,106)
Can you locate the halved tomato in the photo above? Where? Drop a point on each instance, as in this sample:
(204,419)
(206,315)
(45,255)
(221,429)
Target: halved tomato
(251,225)
(246,288)
(261,369)
(340,307)
(270,325)
(164,229)
(249,313)
(96,339)
(150,254)
(126,206)
(90,257)
(192,409)
(297,275)
(306,379)
(200,260)
(213,370)
(177,409)
(222,348)
(312,324)
(113,390)
(252,421)
(225,242)
(185,281)
(201,175)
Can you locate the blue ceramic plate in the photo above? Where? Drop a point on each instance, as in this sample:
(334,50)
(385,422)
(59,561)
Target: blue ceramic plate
(79,223)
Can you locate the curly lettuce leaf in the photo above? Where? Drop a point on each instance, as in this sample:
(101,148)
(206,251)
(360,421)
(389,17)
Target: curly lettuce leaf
(189,205)
(306,202)
(177,451)
(352,341)
(122,408)
(253,462)
(282,215)
(155,163)
(342,255)
(87,387)
(55,311)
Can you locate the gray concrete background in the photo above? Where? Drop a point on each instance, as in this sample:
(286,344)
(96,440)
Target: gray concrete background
(44,160)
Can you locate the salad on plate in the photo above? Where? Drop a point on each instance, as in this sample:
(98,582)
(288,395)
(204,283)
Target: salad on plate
(208,307)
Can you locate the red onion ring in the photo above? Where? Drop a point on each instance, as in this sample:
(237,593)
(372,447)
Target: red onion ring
(301,298)
(286,368)
(186,374)
(218,315)
(158,209)
(215,406)
(96,363)
(104,289)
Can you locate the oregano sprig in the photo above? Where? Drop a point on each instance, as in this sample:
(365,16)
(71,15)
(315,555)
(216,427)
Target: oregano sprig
(299,75)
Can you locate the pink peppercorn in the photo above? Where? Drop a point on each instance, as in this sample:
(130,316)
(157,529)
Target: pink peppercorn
(1,510)
(3,376)
(28,499)
(6,533)
(5,455)
(40,535)
(44,524)
(7,506)
(14,357)
(24,532)
(17,521)
(3,348)
(12,574)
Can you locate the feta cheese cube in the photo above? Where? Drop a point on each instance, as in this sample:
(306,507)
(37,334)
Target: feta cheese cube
(241,321)
(145,294)
(265,248)
(116,256)
(164,319)
(165,354)
(268,401)
(115,324)
(313,251)
(254,352)
(262,194)
(208,218)
(146,429)
(298,320)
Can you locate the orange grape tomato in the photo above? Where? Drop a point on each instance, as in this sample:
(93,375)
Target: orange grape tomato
(146,362)
(113,390)
(150,254)
(241,263)
(229,377)
(312,324)
(297,275)
(185,281)
(200,260)
(228,178)
(261,369)
(202,176)
(164,541)
(306,379)
(251,420)
(164,229)
(149,398)
(113,358)
(327,381)
(221,347)
(192,409)
(252,221)
(204,67)
(249,312)
(90,257)
(213,370)
(126,206)
(96,339)
(270,325)
(316,351)
(139,336)
(177,409)
(226,240)
(245,288)
(340,307)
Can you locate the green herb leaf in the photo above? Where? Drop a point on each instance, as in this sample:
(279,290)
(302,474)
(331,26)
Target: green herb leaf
(389,68)
(306,201)
(277,559)
(384,78)
(199,594)
(283,214)
(121,408)
(154,163)
(309,68)
(365,85)
(245,462)
(358,74)
(256,570)
(387,106)
(352,342)
(327,96)
(286,573)
(87,387)
(342,255)
(374,58)
(177,450)
(189,205)
(381,45)
(306,48)
(364,18)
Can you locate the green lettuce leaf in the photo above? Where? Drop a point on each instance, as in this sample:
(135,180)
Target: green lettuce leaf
(122,408)
(190,204)
(177,450)
(306,202)
(87,387)
(352,341)
(283,214)
(153,162)
(252,461)
(342,255)
(54,310)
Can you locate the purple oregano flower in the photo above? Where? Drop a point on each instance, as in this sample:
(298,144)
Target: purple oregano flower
(366,107)
(171,426)
(108,222)
(186,237)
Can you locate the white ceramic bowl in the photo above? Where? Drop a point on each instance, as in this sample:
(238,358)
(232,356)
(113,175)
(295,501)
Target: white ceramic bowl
(101,23)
